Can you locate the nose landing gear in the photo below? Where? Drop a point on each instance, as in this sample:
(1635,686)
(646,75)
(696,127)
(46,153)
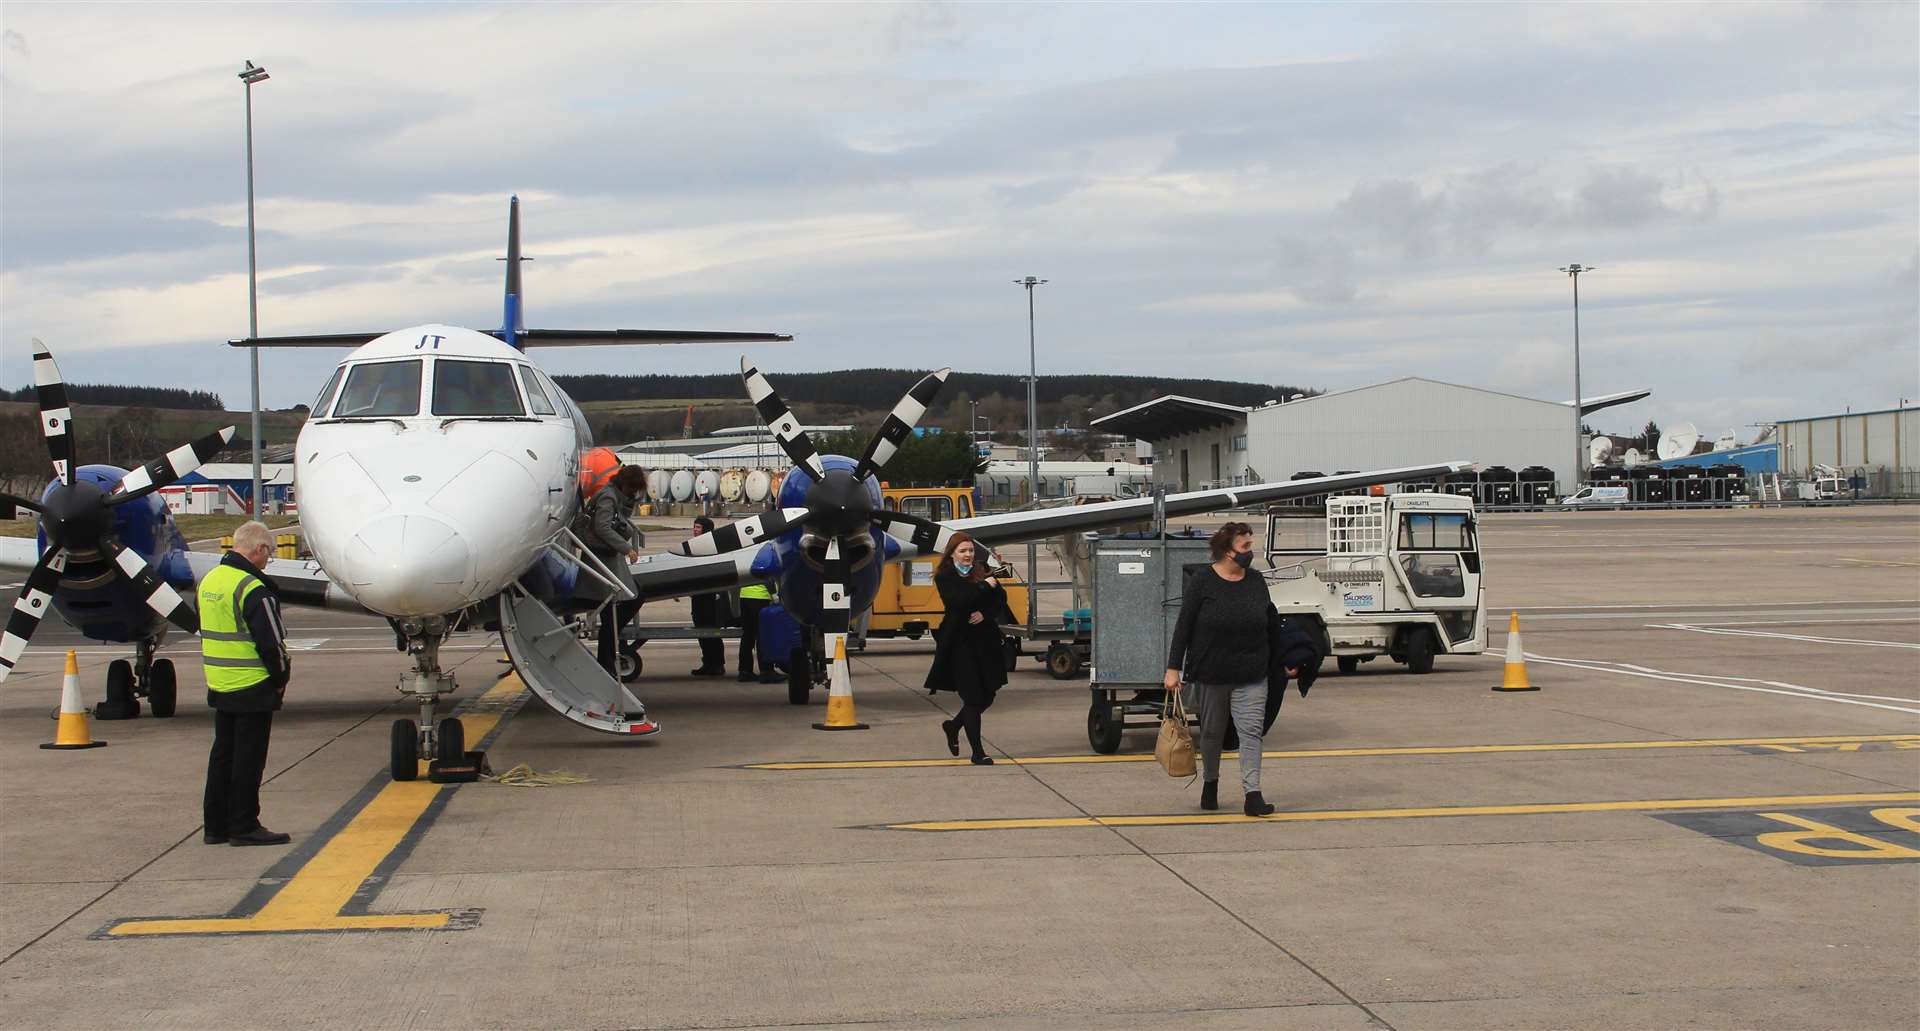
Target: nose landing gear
(424,684)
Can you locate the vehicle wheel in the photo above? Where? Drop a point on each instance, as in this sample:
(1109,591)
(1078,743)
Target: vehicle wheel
(1062,664)
(1420,651)
(450,741)
(1348,663)
(120,704)
(629,664)
(1010,651)
(799,677)
(1103,726)
(162,688)
(403,742)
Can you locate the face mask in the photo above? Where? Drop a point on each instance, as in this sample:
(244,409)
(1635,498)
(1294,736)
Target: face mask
(963,568)
(1244,559)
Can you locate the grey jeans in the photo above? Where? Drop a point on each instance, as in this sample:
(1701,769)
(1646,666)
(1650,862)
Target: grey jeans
(1246,705)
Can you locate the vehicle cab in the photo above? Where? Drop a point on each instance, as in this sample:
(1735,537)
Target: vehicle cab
(908,605)
(422,465)
(1398,575)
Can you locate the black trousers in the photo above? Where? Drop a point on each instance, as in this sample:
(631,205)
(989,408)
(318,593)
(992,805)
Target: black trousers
(234,769)
(706,612)
(612,619)
(750,636)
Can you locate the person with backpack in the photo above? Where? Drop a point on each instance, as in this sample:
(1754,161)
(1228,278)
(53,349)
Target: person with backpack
(612,538)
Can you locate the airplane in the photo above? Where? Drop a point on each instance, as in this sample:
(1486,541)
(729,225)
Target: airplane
(437,474)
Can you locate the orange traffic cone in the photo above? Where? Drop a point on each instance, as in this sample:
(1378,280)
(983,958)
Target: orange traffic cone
(73,731)
(839,688)
(1515,678)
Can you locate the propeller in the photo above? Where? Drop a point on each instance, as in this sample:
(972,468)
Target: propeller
(837,506)
(77,517)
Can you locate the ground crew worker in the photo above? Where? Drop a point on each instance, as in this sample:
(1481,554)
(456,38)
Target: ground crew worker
(707,613)
(243,648)
(754,597)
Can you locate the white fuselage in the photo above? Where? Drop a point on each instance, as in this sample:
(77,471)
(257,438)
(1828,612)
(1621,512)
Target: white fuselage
(434,470)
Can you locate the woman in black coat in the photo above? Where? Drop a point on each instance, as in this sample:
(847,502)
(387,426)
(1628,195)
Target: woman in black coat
(967,657)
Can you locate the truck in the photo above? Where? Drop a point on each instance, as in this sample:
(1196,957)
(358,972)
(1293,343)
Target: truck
(908,605)
(1396,575)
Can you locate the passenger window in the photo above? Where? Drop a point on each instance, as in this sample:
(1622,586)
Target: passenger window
(1435,532)
(535,396)
(380,390)
(319,409)
(1435,576)
(474,388)
(942,509)
(966,507)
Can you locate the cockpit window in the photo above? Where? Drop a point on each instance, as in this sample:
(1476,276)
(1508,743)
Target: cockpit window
(535,396)
(319,409)
(379,390)
(474,388)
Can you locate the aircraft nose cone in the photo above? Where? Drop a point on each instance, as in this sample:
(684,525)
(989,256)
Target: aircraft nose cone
(409,565)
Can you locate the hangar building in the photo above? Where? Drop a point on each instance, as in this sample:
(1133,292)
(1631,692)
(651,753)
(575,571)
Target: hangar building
(1886,442)
(1410,421)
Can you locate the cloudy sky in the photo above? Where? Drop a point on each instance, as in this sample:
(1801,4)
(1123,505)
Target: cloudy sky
(1323,195)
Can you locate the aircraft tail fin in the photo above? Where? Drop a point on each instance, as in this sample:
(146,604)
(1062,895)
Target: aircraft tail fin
(512,324)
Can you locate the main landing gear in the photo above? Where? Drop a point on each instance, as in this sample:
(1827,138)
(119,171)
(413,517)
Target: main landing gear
(144,677)
(445,740)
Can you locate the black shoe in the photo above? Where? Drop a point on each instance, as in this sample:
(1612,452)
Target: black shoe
(983,760)
(1210,795)
(705,672)
(1257,806)
(747,678)
(770,677)
(259,836)
(210,838)
(952,730)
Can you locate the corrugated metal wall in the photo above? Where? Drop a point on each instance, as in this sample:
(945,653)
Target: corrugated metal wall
(1871,440)
(1410,422)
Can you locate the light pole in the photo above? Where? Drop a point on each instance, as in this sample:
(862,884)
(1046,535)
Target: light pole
(1033,404)
(249,75)
(1579,453)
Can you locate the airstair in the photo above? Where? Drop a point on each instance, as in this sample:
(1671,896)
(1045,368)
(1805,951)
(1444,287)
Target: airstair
(548,655)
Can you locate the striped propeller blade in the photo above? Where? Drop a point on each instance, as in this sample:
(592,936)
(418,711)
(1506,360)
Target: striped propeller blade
(159,597)
(36,598)
(745,533)
(923,537)
(175,464)
(779,418)
(20,502)
(55,413)
(835,614)
(900,422)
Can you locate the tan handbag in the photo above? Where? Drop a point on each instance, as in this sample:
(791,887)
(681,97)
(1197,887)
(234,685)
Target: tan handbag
(1174,749)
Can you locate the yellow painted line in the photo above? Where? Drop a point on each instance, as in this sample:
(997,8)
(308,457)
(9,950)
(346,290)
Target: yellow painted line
(1321,816)
(1347,753)
(313,899)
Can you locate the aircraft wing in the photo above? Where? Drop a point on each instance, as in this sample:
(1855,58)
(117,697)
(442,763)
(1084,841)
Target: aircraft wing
(18,554)
(1013,527)
(297,582)
(539,338)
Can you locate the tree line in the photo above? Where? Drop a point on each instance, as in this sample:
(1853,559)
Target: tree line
(117,394)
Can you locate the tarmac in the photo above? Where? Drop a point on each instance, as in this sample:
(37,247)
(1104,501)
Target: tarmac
(1709,815)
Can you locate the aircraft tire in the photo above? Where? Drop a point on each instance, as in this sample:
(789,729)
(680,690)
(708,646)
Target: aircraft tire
(121,703)
(799,677)
(629,664)
(404,750)
(163,688)
(450,740)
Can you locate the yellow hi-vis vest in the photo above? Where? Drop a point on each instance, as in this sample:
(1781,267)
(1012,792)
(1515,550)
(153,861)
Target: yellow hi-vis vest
(232,661)
(756,589)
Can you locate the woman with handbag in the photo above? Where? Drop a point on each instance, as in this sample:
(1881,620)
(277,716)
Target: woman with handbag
(1220,645)
(968,658)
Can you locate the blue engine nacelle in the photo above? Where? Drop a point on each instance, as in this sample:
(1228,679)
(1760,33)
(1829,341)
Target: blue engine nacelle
(91,596)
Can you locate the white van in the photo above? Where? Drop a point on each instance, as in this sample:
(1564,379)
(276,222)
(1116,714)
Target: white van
(1598,496)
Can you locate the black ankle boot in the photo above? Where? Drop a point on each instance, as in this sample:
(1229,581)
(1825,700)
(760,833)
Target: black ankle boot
(1210,795)
(1257,806)
(952,730)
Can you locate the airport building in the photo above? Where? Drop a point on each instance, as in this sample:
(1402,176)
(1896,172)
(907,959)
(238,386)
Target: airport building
(1882,443)
(1411,421)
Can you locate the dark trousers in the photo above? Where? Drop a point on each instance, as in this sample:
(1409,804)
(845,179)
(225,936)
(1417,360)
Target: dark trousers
(234,769)
(713,651)
(750,636)
(612,619)
(969,720)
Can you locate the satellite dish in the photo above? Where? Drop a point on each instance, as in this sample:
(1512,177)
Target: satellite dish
(1633,458)
(1726,441)
(759,482)
(1599,449)
(1678,441)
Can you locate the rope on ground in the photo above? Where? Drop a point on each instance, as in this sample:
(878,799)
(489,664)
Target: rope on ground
(525,776)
